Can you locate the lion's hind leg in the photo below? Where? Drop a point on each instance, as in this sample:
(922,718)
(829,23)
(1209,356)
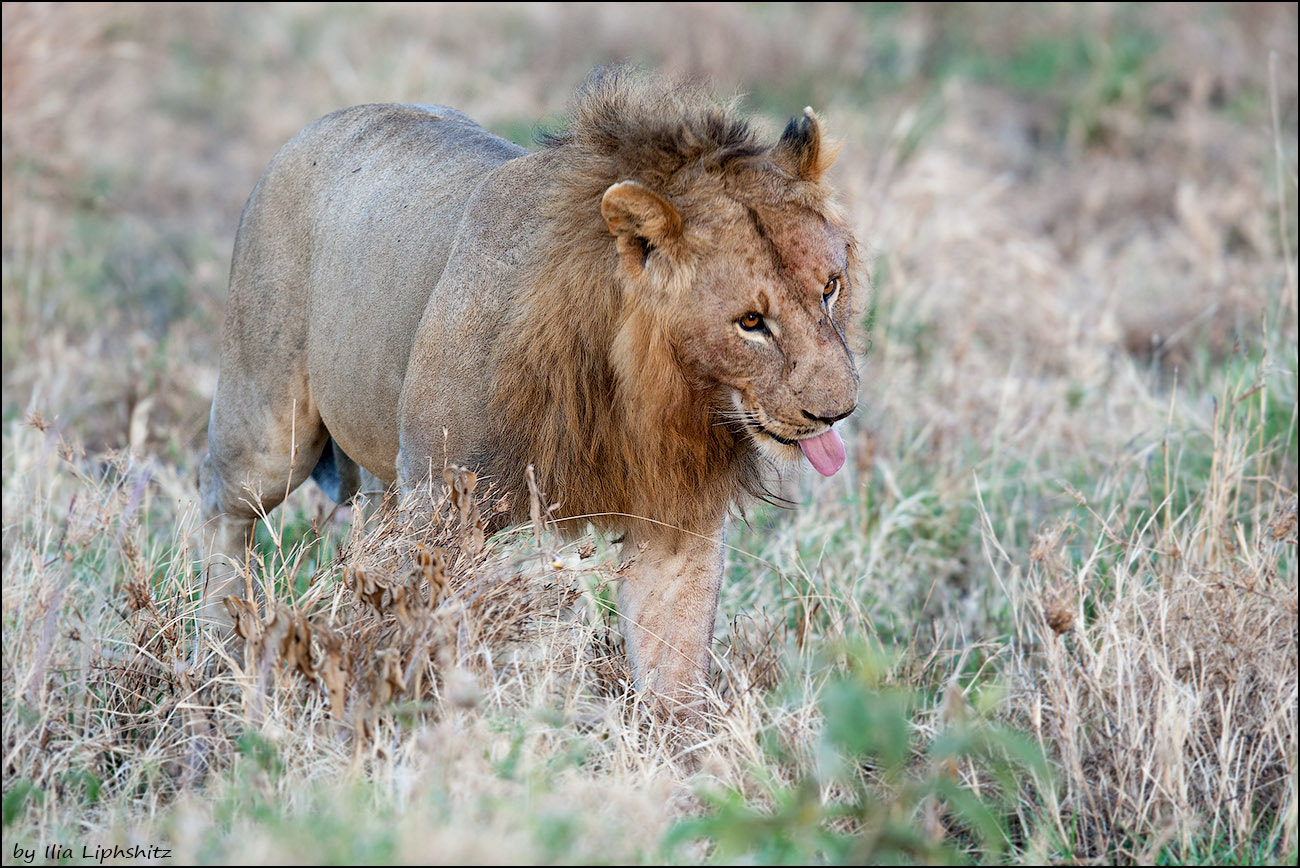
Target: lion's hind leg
(257,454)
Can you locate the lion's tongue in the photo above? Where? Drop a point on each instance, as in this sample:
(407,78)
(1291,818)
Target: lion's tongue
(825,452)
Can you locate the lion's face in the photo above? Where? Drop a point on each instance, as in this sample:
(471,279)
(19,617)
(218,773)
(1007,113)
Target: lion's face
(753,290)
(765,328)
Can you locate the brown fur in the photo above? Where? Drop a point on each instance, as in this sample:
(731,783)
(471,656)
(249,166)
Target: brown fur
(599,405)
(409,291)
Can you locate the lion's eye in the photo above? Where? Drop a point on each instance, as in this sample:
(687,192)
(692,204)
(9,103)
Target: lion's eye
(751,322)
(832,286)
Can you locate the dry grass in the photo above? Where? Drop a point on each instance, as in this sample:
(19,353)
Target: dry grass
(1071,497)
(1163,674)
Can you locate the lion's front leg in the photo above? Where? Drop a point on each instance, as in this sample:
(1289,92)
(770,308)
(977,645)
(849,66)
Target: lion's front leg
(667,600)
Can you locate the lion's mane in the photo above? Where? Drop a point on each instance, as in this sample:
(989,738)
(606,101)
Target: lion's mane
(588,388)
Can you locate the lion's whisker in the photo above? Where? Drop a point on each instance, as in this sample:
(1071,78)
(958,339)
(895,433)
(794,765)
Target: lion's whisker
(536,381)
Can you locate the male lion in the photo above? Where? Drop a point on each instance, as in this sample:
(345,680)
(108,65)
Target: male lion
(650,309)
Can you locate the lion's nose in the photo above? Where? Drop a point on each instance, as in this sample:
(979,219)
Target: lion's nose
(828,420)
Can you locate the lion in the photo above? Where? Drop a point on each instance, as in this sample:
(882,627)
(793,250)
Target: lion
(651,309)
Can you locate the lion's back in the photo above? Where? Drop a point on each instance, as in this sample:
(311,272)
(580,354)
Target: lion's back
(340,246)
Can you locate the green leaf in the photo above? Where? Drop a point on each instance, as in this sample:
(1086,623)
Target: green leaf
(16,797)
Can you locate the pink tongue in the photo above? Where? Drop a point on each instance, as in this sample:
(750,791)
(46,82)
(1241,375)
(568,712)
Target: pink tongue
(825,452)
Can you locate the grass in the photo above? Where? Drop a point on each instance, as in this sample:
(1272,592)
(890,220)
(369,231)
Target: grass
(1046,613)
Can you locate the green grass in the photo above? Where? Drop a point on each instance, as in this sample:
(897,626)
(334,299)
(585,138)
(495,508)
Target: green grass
(884,810)
(890,685)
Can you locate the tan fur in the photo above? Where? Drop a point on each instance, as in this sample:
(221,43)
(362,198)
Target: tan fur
(409,291)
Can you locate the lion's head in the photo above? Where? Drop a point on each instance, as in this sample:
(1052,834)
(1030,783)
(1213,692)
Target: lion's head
(716,282)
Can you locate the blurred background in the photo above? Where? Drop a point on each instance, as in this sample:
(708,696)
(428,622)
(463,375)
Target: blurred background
(1045,180)
(1070,500)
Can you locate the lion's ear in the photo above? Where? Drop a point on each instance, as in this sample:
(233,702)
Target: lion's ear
(641,220)
(804,149)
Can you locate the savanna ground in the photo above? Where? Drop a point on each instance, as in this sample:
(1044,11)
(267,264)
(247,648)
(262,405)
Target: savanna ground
(1046,613)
